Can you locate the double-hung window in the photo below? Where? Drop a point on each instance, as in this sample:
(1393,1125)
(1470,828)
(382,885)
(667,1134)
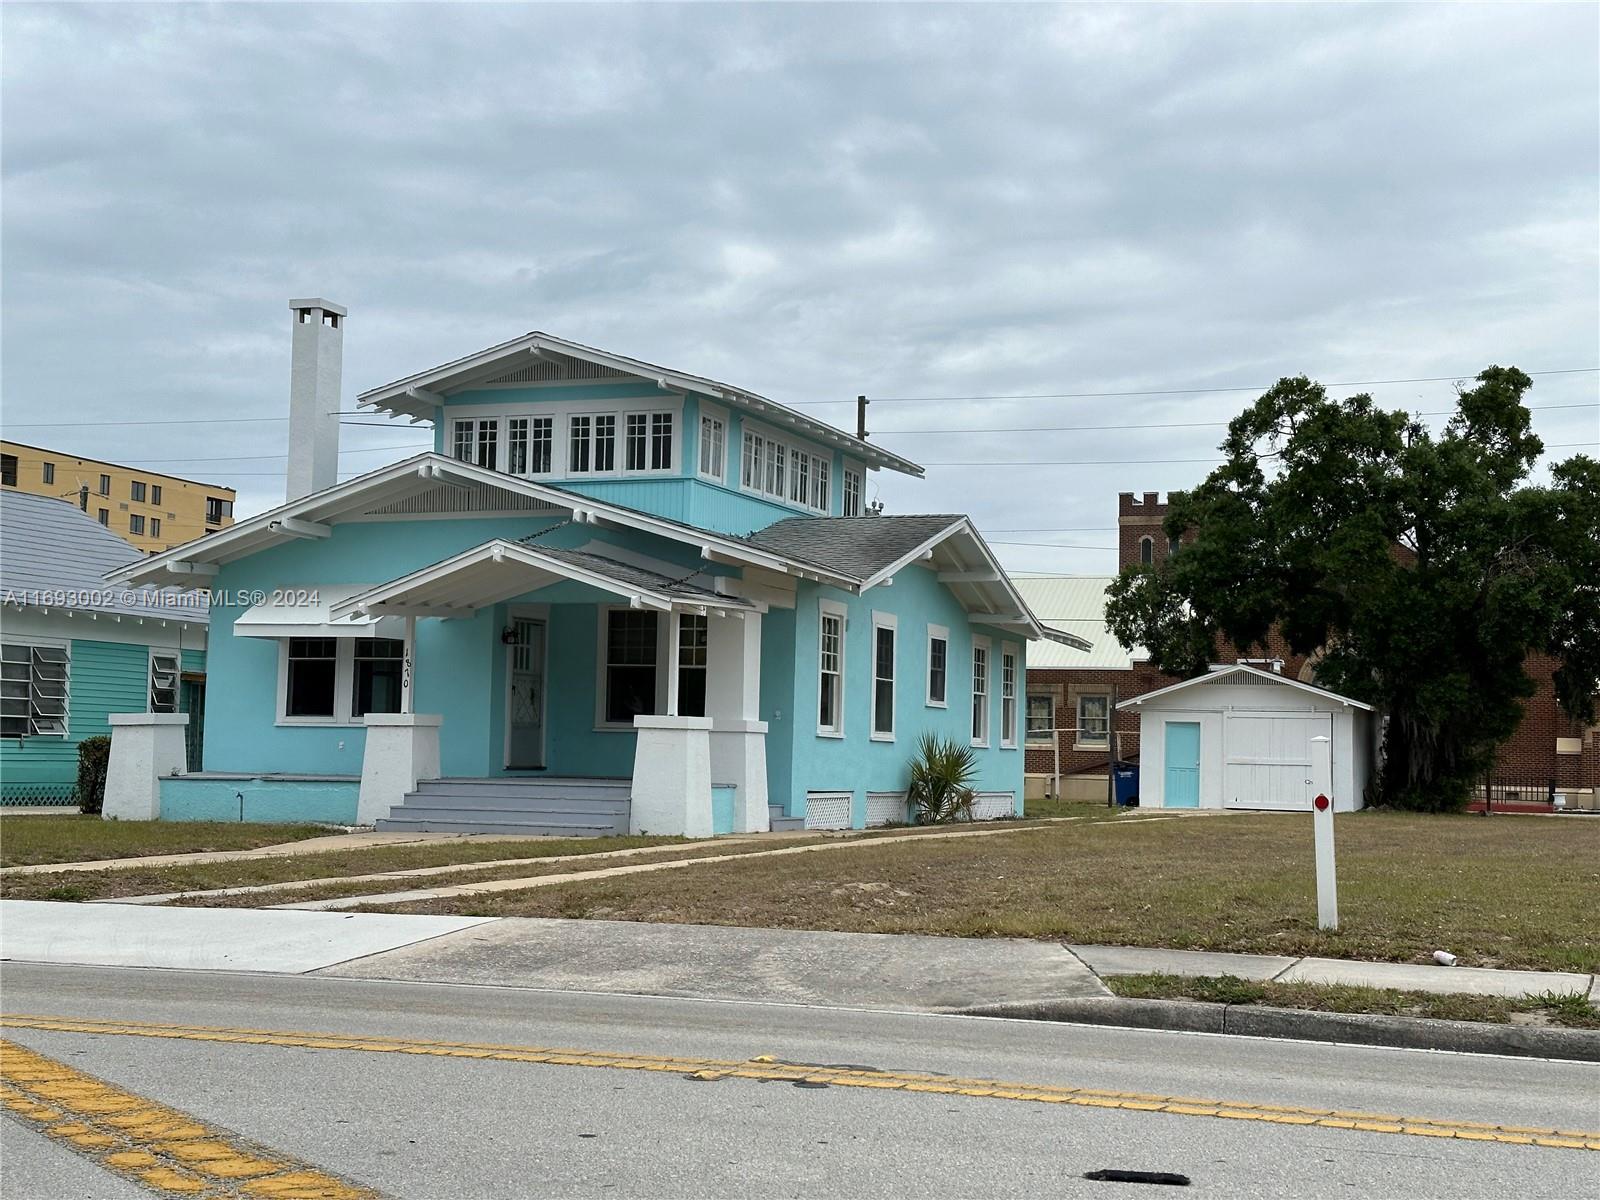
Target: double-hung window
(693,632)
(1094,720)
(375,679)
(713,447)
(33,690)
(819,484)
(938,665)
(1008,697)
(155,526)
(136,491)
(155,493)
(476,442)
(661,441)
(799,477)
(636,441)
(1041,718)
(312,683)
(136,524)
(852,492)
(750,463)
(830,670)
(580,435)
(883,639)
(980,691)
(630,665)
(529,442)
(164,681)
(517,445)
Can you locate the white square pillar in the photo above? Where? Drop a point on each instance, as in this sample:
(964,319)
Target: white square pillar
(733,702)
(672,777)
(144,747)
(401,749)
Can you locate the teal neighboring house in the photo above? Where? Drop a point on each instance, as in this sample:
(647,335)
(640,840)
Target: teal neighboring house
(614,597)
(75,649)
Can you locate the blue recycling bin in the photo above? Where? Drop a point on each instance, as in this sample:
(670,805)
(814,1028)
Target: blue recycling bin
(1126,775)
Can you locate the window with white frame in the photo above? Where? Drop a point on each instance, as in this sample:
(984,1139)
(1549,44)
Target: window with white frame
(338,681)
(477,441)
(541,445)
(311,683)
(631,651)
(693,633)
(830,670)
(883,645)
(773,465)
(852,492)
(661,441)
(376,668)
(637,442)
(33,690)
(938,665)
(1094,720)
(980,691)
(800,477)
(1008,697)
(713,447)
(164,668)
(750,461)
(1041,717)
(820,495)
(517,445)
(580,432)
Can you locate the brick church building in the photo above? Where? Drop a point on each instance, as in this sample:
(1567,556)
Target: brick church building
(1076,692)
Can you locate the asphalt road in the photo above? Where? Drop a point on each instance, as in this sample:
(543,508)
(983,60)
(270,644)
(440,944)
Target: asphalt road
(440,1126)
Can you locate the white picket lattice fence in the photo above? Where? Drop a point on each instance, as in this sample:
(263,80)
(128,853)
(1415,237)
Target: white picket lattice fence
(827,810)
(990,806)
(884,808)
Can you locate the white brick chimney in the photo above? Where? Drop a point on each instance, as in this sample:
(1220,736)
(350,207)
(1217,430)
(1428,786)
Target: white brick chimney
(316,367)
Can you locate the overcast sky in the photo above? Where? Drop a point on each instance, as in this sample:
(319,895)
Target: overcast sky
(810,202)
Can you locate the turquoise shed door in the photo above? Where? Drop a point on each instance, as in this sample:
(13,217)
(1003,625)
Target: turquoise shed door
(1182,784)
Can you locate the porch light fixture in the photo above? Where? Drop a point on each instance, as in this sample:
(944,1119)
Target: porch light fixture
(508,635)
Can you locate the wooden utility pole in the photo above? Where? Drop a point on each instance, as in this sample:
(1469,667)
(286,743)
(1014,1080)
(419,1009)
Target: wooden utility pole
(1111,749)
(861,417)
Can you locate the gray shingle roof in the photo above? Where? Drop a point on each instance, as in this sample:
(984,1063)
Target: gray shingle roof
(53,555)
(641,577)
(855,546)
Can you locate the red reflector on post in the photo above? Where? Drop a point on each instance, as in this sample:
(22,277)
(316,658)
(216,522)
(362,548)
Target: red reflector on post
(1321,802)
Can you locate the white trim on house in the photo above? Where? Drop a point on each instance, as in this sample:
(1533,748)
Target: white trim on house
(830,609)
(344,682)
(561,414)
(664,666)
(938,633)
(711,414)
(31,643)
(176,657)
(1221,671)
(889,621)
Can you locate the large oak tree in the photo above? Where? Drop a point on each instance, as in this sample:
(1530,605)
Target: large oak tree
(1422,568)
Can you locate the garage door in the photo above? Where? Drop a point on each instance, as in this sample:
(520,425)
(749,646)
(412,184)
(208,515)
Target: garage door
(1267,758)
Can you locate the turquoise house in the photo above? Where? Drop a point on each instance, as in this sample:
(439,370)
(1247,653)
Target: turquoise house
(74,650)
(613,597)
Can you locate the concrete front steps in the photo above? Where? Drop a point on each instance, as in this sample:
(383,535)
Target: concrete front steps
(533,807)
(781,822)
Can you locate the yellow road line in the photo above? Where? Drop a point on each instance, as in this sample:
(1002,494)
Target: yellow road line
(168,1151)
(769,1069)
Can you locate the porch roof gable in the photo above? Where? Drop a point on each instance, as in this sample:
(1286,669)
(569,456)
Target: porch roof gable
(501,569)
(1223,673)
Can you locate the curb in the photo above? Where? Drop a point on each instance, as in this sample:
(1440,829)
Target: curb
(1366,1029)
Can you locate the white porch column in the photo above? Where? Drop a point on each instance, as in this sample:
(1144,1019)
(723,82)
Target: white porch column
(408,666)
(401,749)
(672,777)
(733,702)
(144,747)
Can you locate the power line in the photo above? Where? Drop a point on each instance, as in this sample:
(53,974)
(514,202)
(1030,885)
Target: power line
(1187,391)
(1127,462)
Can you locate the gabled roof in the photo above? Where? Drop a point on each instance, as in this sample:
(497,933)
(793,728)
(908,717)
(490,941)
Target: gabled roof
(535,356)
(501,569)
(56,556)
(1242,672)
(1076,603)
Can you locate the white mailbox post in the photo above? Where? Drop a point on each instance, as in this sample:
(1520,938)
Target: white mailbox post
(1322,825)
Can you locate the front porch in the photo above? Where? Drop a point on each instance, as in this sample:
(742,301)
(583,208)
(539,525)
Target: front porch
(623,699)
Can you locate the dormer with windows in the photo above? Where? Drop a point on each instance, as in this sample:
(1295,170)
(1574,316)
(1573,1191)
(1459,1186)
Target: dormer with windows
(675,445)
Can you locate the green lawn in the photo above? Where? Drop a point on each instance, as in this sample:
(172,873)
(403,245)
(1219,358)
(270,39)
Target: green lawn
(1573,1011)
(74,837)
(1502,891)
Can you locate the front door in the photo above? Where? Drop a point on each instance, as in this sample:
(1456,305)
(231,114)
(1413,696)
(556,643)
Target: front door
(525,706)
(1182,784)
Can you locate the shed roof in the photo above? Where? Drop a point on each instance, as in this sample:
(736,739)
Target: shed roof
(53,555)
(1242,673)
(856,546)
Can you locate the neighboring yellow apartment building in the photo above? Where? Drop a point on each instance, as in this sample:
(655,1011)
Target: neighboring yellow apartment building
(147,509)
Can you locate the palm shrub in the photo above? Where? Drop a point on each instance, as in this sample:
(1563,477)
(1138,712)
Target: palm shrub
(94,756)
(941,781)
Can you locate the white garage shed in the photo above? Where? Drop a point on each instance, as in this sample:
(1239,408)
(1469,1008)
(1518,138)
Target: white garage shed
(1240,737)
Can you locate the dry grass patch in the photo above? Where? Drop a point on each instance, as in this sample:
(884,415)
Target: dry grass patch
(74,837)
(1503,891)
(1573,1011)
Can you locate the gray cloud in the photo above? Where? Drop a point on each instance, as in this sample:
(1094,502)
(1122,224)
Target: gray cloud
(809,201)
